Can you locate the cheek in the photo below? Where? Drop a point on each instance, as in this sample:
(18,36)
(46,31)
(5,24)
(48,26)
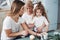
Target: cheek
(37,14)
(20,13)
(41,13)
(30,10)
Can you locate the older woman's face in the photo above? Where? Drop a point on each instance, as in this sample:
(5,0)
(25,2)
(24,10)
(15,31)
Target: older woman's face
(21,10)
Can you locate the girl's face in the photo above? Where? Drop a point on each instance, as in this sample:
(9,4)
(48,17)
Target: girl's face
(38,12)
(29,9)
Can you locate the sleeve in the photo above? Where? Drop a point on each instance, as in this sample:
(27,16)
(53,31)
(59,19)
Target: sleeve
(45,21)
(23,16)
(33,20)
(21,20)
(7,24)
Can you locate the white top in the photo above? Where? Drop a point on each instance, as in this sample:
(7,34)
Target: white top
(9,23)
(27,18)
(38,21)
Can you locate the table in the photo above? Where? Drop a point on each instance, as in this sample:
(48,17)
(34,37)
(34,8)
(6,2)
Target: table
(27,38)
(51,36)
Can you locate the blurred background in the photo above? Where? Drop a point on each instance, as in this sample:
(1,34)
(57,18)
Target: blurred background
(52,8)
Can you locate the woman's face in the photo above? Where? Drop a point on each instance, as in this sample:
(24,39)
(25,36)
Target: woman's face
(21,10)
(38,12)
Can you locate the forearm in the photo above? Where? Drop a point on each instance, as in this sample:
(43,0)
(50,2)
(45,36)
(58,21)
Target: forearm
(31,32)
(42,26)
(27,29)
(14,34)
(46,29)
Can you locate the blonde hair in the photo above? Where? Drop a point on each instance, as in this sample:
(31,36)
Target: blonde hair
(28,4)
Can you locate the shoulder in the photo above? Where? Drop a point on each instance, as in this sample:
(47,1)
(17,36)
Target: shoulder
(7,23)
(34,18)
(7,19)
(43,17)
(24,15)
(21,20)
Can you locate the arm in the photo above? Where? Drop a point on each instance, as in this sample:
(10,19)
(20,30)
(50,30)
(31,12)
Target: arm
(31,25)
(44,25)
(41,27)
(46,28)
(47,24)
(26,28)
(8,29)
(12,34)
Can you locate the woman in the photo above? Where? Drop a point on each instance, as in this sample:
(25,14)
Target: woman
(12,22)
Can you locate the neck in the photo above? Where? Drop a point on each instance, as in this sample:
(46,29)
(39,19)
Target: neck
(29,13)
(39,15)
(15,18)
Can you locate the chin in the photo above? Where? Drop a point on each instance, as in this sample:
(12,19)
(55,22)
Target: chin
(20,15)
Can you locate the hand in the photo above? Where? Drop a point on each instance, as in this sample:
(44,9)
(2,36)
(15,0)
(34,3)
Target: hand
(31,25)
(39,29)
(39,35)
(44,33)
(24,33)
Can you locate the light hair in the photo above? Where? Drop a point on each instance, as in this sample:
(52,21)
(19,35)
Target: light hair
(28,4)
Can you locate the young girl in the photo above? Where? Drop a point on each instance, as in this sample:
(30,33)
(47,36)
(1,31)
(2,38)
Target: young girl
(39,19)
(28,14)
